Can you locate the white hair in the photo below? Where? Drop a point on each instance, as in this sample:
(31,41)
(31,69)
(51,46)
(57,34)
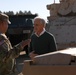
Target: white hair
(42,21)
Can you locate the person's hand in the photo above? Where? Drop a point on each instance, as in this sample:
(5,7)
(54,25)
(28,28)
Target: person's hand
(25,42)
(32,55)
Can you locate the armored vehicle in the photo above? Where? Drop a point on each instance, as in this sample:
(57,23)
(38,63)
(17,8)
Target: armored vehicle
(62,23)
(61,62)
(20,28)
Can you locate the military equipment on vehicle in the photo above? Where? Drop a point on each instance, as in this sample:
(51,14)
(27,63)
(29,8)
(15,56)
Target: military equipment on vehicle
(62,23)
(55,63)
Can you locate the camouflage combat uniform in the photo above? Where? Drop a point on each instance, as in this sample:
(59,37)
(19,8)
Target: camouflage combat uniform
(7,55)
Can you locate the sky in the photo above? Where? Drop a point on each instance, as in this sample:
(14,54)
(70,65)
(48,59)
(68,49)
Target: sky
(35,6)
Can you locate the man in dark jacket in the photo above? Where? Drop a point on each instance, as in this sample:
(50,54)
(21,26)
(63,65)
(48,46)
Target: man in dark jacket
(41,41)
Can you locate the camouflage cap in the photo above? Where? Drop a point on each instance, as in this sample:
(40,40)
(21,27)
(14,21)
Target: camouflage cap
(4,17)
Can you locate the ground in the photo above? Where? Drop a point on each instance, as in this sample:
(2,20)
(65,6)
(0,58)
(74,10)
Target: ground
(20,61)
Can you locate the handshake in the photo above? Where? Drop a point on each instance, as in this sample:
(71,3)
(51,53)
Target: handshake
(25,42)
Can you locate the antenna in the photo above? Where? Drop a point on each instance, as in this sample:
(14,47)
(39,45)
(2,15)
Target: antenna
(54,1)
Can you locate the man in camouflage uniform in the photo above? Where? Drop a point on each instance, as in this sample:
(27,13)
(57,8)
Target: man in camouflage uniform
(7,52)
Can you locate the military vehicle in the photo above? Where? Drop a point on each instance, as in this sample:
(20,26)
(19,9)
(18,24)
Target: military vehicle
(61,62)
(20,28)
(62,23)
